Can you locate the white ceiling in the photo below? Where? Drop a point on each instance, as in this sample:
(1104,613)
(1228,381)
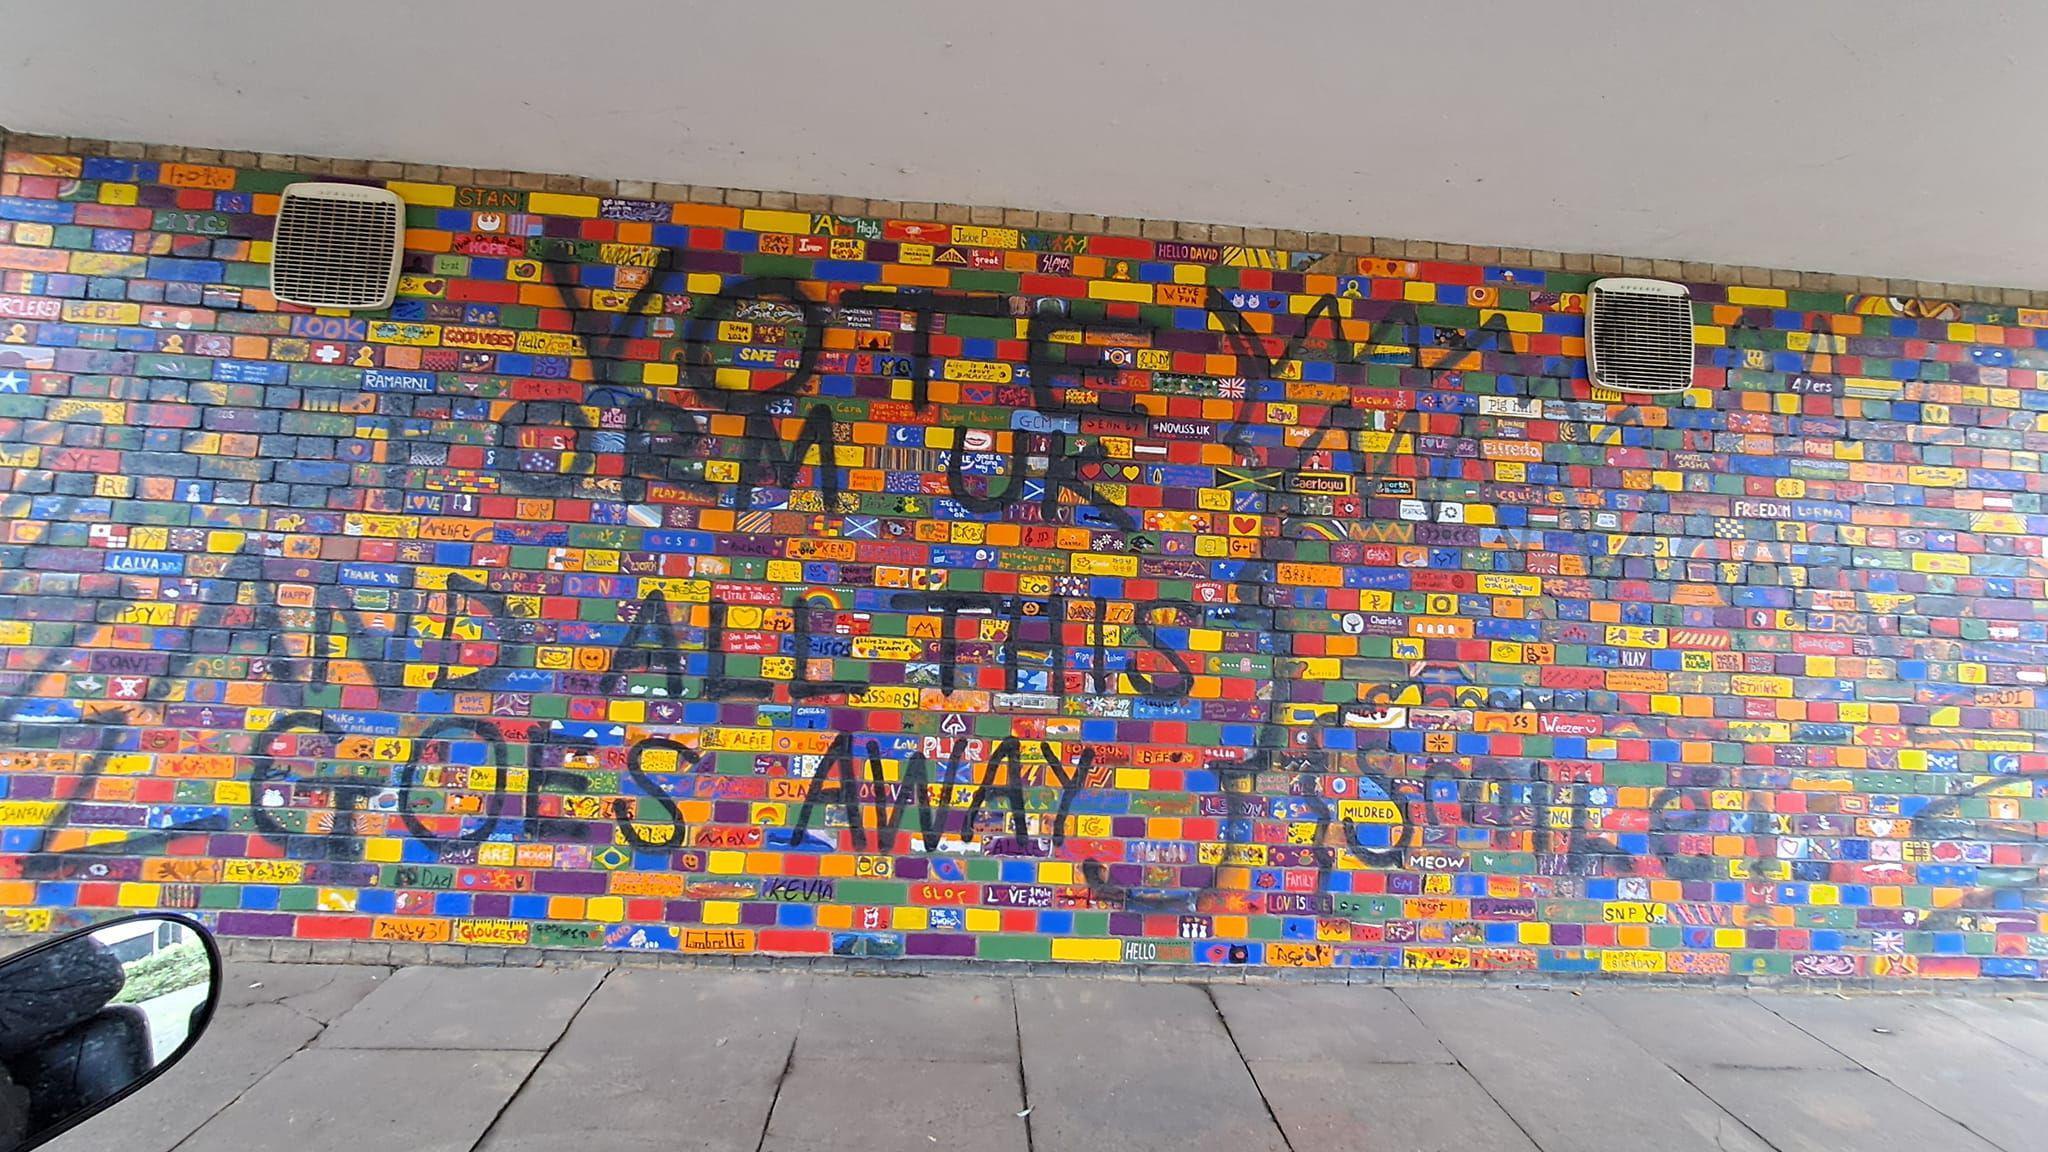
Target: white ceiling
(1869,136)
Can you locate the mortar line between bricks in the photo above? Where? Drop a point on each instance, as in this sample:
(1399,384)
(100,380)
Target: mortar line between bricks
(1230,1035)
(1888,1081)
(485,1135)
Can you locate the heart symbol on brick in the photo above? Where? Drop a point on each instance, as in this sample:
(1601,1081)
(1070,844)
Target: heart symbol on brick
(434,287)
(1244,525)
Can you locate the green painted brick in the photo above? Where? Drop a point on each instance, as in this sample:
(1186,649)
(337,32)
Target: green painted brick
(1091,924)
(863,891)
(993,947)
(227,896)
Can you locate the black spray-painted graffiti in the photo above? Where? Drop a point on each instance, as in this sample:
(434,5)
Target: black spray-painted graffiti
(789,446)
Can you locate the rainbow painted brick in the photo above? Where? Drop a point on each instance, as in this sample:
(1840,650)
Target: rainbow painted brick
(669,576)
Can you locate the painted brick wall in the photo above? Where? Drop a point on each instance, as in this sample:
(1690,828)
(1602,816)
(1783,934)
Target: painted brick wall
(724,579)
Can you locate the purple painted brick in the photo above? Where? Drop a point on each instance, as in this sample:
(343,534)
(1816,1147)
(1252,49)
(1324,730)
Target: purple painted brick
(255,924)
(926,944)
(570,883)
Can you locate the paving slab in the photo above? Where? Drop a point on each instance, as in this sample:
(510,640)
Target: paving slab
(2021,1024)
(1136,1067)
(1690,1030)
(481,1009)
(241,1047)
(266,1013)
(1333,1107)
(662,1062)
(1832,1110)
(369,1100)
(1991,1088)
(883,1105)
(1570,1078)
(322,991)
(1325,1022)
(964,1019)
(903,1063)
(1355,1068)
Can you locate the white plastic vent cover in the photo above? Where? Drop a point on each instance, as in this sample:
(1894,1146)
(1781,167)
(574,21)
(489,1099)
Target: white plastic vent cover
(1639,335)
(337,246)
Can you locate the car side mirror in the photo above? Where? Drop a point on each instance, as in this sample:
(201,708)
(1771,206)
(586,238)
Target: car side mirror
(89,1017)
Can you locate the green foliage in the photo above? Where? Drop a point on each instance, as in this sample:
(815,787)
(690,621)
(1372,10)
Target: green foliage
(170,970)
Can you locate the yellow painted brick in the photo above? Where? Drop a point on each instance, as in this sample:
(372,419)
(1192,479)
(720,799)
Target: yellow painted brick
(983,920)
(1515,321)
(1759,297)
(768,220)
(610,909)
(721,911)
(28,813)
(727,863)
(425,195)
(559,204)
(1103,951)
(1133,779)
(383,849)
(139,895)
(1120,290)
(914,919)
(1056,872)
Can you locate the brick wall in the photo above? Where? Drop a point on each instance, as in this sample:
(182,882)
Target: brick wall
(721,571)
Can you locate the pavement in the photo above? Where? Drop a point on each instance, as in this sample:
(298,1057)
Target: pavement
(327,1058)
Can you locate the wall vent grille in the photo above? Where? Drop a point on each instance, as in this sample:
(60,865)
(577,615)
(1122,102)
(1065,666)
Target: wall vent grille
(1639,335)
(337,246)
